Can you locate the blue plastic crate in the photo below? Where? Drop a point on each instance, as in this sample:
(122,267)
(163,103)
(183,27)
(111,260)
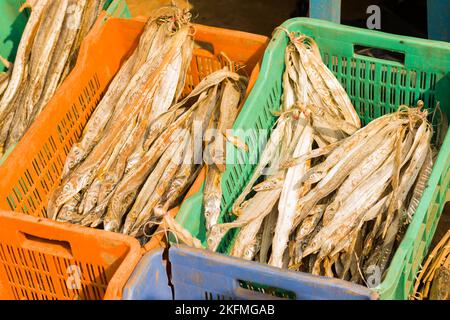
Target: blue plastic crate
(149,280)
(205,275)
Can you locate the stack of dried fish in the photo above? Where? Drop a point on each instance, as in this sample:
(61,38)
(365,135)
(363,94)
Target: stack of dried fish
(118,136)
(47,52)
(371,183)
(141,148)
(352,205)
(315,112)
(172,161)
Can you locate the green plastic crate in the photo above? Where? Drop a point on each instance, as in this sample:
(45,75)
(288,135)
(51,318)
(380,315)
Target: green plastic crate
(376,87)
(118,8)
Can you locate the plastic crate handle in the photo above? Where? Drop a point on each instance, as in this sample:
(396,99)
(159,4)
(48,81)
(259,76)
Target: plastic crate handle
(271,283)
(204,39)
(45,245)
(379,53)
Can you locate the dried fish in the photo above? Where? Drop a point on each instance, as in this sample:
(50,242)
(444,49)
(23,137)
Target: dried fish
(213,190)
(151,191)
(182,235)
(23,53)
(5,76)
(140,107)
(430,283)
(368,194)
(267,234)
(47,53)
(289,197)
(70,26)
(137,155)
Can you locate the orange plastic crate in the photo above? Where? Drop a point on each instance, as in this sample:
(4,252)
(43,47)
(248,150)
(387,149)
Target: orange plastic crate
(46,260)
(33,169)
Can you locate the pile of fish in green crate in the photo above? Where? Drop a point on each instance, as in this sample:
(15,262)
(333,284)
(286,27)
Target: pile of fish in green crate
(377,87)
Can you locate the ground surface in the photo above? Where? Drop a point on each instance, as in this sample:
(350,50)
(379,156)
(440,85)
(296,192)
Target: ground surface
(255,16)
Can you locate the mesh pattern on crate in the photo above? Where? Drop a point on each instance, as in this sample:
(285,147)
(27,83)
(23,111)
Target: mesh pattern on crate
(376,89)
(203,64)
(38,276)
(30,193)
